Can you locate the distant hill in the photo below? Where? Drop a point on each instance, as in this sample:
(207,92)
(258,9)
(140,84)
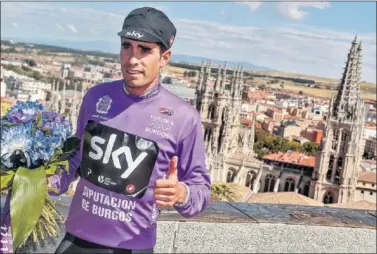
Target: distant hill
(110,49)
(230,64)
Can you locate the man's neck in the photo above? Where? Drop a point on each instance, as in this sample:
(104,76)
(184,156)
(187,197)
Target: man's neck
(139,91)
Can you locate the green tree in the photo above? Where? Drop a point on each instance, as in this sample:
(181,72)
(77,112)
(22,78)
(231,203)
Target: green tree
(30,62)
(310,148)
(222,192)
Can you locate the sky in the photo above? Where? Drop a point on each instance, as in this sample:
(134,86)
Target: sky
(299,37)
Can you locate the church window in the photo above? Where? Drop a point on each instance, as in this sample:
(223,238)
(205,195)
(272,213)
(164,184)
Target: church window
(249,180)
(335,140)
(211,112)
(230,176)
(269,183)
(339,167)
(330,168)
(306,189)
(289,184)
(328,198)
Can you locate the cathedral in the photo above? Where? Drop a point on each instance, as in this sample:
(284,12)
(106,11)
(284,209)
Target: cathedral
(338,164)
(333,175)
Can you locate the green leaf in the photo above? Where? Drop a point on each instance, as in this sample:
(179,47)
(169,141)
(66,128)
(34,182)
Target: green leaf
(28,197)
(6,178)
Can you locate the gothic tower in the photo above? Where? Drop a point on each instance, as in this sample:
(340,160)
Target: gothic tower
(337,165)
(219,107)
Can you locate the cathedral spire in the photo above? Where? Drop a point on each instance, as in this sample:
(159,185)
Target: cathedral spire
(346,100)
(218,79)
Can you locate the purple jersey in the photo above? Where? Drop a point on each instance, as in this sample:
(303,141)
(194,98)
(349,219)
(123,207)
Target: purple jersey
(127,143)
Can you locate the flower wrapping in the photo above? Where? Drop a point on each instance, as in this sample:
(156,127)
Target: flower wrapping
(36,144)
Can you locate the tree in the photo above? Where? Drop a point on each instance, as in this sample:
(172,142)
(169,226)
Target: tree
(300,92)
(222,192)
(310,148)
(37,75)
(30,62)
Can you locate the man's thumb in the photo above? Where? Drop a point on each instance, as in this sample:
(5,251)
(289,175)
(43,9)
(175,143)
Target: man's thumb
(173,166)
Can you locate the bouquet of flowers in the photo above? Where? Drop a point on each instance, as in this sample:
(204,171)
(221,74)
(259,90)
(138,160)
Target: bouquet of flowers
(36,144)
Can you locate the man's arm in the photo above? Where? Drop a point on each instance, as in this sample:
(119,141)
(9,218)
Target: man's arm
(62,182)
(193,173)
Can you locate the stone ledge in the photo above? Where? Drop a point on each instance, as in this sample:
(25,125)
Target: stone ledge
(255,228)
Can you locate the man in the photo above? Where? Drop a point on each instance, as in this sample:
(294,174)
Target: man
(142,149)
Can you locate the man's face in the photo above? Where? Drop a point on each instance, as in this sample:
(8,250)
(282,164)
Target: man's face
(141,62)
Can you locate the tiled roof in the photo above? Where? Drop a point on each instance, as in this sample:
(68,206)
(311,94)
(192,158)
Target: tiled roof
(292,158)
(368,176)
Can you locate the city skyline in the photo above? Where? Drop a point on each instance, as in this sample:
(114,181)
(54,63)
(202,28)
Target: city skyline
(301,37)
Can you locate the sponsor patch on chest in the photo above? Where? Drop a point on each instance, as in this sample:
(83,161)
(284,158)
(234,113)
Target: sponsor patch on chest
(117,161)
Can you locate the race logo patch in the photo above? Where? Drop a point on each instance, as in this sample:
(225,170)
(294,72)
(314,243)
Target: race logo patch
(166,111)
(103,104)
(117,161)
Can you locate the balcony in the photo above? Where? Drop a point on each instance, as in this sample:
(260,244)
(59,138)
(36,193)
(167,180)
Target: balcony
(258,228)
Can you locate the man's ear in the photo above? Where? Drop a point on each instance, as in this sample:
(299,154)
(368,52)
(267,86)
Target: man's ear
(165,57)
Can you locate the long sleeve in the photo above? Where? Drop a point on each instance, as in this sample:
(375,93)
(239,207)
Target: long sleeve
(62,182)
(192,171)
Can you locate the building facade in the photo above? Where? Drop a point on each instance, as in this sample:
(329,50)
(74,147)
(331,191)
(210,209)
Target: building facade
(229,144)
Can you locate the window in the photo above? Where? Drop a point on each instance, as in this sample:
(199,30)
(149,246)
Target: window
(230,176)
(269,183)
(362,191)
(364,183)
(306,188)
(328,198)
(372,184)
(289,185)
(371,193)
(249,180)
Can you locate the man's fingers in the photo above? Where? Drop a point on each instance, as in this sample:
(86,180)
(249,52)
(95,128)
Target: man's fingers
(173,167)
(164,198)
(165,191)
(164,204)
(165,183)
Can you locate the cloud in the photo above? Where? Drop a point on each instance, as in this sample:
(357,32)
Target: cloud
(59,27)
(14,24)
(305,49)
(290,10)
(72,28)
(296,10)
(252,5)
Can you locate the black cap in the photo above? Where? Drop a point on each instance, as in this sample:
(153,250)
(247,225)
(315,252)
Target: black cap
(149,25)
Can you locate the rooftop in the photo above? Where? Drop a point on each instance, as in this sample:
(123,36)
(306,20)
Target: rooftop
(293,158)
(255,228)
(368,176)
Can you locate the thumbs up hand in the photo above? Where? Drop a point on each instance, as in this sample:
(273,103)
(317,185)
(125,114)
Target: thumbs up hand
(168,192)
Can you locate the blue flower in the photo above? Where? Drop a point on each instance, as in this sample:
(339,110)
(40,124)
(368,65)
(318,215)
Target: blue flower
(31,135)
(23,112)
(15,138)
(44,146)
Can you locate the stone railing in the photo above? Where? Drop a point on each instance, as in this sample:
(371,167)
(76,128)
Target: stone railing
(255,228)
